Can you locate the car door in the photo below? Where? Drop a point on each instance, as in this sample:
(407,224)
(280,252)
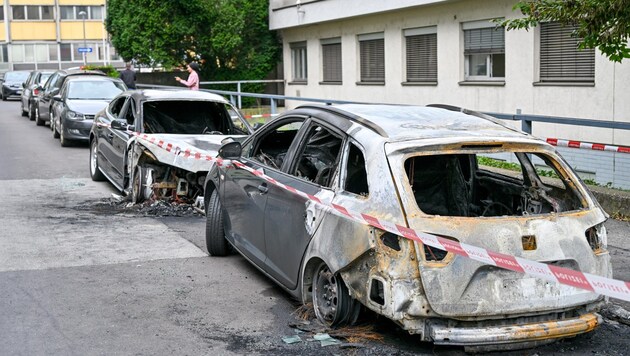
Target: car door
(291,219)
(51,90)
(244,194)
(112,144)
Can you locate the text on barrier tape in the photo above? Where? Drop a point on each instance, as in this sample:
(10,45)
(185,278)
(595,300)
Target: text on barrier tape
(586,281)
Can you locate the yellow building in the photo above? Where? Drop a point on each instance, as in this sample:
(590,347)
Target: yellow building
(54,34)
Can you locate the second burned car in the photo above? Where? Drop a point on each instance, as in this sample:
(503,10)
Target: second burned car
(422,168)
(187,120)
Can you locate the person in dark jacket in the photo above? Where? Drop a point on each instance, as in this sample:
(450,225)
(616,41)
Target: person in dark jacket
(128,76)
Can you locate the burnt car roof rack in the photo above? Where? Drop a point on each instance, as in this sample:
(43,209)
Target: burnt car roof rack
(352,117)
(473,113)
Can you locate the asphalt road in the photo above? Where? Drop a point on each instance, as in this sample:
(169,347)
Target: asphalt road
(80,279)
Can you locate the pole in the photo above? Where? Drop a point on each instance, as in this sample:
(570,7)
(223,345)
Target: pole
(82,14)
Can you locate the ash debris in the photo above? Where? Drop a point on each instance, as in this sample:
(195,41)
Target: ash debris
(117,204)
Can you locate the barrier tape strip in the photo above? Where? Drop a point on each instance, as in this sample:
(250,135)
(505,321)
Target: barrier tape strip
(259,116)
(586,281)
(587,145)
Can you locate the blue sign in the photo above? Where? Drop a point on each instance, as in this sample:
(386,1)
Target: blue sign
(85,49)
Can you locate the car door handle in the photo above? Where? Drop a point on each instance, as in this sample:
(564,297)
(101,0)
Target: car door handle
(263,188)
(111,135)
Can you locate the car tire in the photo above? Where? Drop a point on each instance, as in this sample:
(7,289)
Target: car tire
(53,127)
(4,97)
(95,171)
(38,120)
(62,139)
(333,305)
(138,185)
(216,244)
(31,112)
(24,112)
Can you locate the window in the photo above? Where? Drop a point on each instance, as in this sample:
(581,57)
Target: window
(4,53)
(1,13)
(484,50)
(372,57)
(65,52)
(356,175)
(318,159)
(271,147)
(560,58)
(298,61)
(331,60)
(28,12)
(421,54)
(73,12)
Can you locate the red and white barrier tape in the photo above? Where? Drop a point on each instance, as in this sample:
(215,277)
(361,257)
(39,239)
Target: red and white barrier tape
(259,116)
(587,145)
(597,284)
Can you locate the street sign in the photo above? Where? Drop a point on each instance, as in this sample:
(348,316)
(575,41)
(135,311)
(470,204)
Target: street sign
(85,49)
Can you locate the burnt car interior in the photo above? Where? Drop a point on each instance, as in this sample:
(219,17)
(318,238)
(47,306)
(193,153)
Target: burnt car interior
(319,156)
(456,185)
(272,148)
(188,118)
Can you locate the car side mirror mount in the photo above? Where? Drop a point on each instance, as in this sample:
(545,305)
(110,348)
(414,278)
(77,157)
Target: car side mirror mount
(120,125)
(57,98)
(231,150)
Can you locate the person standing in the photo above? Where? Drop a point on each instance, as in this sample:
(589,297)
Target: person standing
(128,76)
(193,77)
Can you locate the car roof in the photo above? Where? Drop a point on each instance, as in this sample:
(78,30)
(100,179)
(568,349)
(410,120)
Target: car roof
(69,72)
(175,94)
(406,122)
(91,78)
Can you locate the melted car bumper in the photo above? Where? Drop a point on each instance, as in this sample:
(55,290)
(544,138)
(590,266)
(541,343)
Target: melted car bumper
(513,334)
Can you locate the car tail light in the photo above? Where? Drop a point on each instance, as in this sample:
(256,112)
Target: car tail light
(36,91)
(597,237)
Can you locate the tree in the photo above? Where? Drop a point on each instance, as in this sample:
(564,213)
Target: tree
(229,38)
(604,24)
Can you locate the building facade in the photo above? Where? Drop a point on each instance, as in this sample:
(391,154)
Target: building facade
(452,52)
(54,34)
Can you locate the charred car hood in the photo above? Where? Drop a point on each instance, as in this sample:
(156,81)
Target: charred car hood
(184,149)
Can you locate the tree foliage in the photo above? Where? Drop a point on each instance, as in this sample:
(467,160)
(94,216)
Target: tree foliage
(229,38)
(604,24)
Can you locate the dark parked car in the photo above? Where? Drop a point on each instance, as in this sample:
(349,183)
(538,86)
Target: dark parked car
(33,84)
(422,168)
(191,120)
(40,112)
(12,83)
(79,99)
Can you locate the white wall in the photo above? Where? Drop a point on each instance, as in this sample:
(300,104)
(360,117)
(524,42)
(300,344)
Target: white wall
(608,99)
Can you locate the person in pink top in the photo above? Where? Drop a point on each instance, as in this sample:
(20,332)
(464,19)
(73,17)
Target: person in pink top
(193,77)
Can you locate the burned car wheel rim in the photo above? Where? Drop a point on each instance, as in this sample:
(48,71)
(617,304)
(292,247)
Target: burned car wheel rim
(331,300)
(137,186)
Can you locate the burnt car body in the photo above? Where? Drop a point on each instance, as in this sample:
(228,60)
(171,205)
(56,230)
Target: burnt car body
(13,83)
(80,98)
(421,168)
(190,120)
(33,84)
(40,112)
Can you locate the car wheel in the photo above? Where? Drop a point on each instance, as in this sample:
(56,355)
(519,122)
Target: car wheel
(38,120)
(31,112)
(62,139)
(332,303)
(138,185)
(216,244)
(95,172)
(24,112)
(53,127)
(4,97)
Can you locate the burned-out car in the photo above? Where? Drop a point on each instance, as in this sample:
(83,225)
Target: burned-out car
(121,152)
(423,168)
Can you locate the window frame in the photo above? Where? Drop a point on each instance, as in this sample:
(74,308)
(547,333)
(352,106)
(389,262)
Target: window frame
(489,52)
(299,62)
(427,62)
(27,8)
(572,58)
(332,60)
(374,64)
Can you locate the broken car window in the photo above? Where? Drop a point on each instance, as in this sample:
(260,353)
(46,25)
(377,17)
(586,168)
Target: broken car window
(186,117)
(356,175)
(271,147)
(471,185)
(318,160)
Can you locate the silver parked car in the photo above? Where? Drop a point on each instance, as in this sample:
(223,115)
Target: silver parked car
(426,168)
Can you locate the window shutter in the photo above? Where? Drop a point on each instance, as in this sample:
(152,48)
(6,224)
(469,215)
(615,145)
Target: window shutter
(422,58)
(484,40)
(331,54)
(372,60)
(560,57)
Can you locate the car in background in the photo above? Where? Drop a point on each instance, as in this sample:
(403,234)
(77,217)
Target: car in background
(80,98)
(32,85)
(192,121)
(40,112)
(424,169)
(12,83)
